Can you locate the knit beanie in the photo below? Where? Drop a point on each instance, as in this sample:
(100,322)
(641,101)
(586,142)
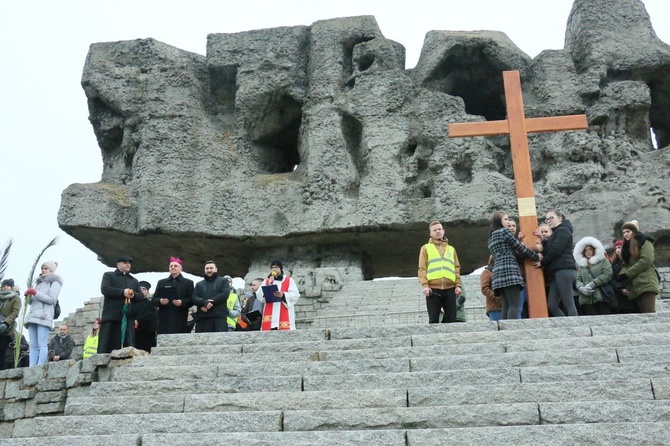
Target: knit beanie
(9,282)
(51,265)
(618,243)
(632,225)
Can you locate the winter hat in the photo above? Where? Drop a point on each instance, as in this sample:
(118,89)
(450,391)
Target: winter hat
(618,243)
(632,225)
(278,263)
(228,278)
(176,260)
(124,259)
(9,282)
(145,284)
(51,265)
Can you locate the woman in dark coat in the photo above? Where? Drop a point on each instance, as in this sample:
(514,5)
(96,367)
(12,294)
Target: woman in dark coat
(559,264)
(507,280)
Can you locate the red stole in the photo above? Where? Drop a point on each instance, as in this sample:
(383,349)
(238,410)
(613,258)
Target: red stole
(268,308)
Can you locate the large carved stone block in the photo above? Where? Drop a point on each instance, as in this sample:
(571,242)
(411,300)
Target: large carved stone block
(315,145)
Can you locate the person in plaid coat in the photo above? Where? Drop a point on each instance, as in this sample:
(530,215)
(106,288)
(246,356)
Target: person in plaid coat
(507,279)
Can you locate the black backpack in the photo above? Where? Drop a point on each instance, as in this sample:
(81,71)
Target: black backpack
(56,310)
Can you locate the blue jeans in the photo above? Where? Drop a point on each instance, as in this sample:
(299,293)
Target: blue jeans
(38,335)
(495,315)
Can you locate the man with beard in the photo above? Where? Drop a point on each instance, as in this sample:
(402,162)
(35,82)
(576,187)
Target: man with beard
(210,297)
(279,313)
(173,297)
(117,286)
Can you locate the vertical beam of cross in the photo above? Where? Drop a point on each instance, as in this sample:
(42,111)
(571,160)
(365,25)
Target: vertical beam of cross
(518,127)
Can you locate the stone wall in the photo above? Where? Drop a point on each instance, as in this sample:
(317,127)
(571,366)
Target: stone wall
(42,390)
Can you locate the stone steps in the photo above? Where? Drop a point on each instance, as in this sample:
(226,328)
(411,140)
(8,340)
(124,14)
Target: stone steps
(568,391)
(328,350)
(448,416)
(656,433)
(595,379)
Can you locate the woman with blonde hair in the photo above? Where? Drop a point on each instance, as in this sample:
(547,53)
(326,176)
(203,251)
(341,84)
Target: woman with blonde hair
(638,270)
(91,342)
(40,317)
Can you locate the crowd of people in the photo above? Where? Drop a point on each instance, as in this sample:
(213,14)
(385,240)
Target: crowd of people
(132,316)
(582,278)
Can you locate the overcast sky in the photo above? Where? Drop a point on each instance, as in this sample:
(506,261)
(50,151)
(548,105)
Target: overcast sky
(47,142)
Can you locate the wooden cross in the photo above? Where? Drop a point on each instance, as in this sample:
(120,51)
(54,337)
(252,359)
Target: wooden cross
(517,126)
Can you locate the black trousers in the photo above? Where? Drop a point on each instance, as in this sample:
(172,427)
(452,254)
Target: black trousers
(211,325)
(110,335)
(4,347)
(441,300)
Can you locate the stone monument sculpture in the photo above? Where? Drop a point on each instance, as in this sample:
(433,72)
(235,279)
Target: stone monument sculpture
(314,144)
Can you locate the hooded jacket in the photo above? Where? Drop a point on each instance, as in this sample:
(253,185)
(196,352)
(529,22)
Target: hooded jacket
(557,249)
(640,271)
(10,305)
(42,303)
(598,265)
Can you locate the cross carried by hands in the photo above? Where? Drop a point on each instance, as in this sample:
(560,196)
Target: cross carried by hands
(517,126)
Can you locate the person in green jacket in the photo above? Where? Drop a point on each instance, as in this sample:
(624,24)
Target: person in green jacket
(594,270)
(638,270)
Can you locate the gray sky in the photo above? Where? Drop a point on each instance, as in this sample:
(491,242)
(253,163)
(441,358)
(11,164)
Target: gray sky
(47,142)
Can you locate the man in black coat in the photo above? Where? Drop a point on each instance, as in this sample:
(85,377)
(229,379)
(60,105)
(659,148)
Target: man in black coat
(210,296)
(117,286)
(173,297)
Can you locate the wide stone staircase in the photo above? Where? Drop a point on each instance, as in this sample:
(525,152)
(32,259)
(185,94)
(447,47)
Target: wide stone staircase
(388,302)
(579,380)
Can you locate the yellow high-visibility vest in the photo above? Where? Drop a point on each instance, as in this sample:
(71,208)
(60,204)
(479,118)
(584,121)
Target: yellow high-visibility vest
(90,346)
(230,303)
(440,267)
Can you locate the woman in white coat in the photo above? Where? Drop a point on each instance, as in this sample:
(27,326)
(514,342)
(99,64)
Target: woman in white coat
(39,320)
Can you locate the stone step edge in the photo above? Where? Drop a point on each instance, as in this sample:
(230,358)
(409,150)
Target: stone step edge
(563,344)
(81,420)
(461,387)
(651,433)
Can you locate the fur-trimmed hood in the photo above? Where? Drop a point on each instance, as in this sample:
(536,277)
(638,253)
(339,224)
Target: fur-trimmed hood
(578,252)
(49,278)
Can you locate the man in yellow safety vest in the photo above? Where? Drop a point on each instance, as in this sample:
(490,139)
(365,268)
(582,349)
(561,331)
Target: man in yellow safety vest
(439,275)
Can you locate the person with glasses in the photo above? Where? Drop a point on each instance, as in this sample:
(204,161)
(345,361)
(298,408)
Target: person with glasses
(117,286)
(559,264)
(173,297)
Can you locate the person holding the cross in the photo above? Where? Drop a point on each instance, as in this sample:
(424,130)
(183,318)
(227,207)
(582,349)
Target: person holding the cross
(559,264)
(507,280)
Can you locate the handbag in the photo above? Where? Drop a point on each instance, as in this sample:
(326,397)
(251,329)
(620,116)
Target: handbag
(606,292)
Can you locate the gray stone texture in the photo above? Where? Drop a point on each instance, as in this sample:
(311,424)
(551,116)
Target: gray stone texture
(370,142)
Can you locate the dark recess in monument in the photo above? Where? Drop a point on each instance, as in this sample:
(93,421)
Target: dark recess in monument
(102,115)
(468,73)
(352,131)
(659,118)
(223,84)
(277,133)
(347,60)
